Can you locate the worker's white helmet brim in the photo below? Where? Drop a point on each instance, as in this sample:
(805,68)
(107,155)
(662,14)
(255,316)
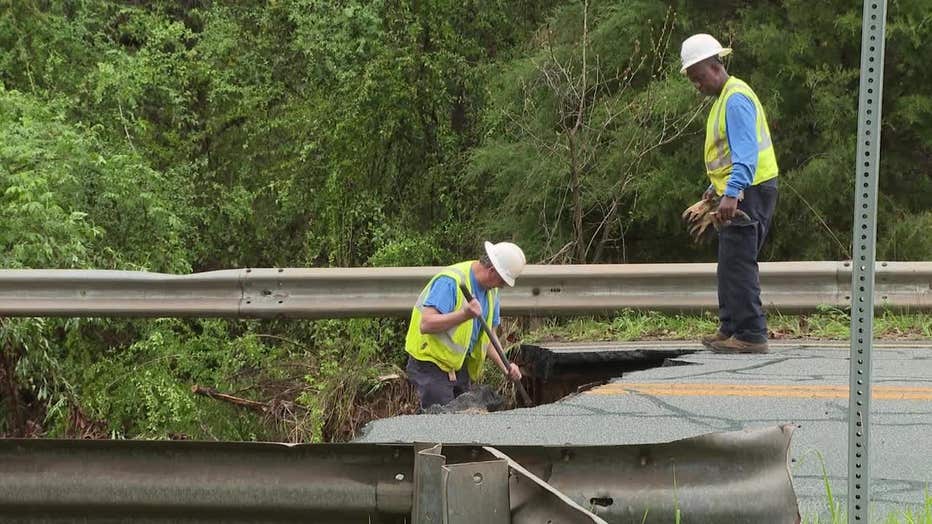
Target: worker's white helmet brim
(725,51)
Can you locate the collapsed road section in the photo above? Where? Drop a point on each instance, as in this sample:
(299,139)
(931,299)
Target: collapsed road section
(799,381)
(554,370)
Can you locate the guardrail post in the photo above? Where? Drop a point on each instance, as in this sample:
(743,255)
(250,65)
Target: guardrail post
(428,501)
(467,493)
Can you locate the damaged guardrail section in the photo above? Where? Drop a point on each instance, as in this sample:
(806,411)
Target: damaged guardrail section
(363,292)
(723,477)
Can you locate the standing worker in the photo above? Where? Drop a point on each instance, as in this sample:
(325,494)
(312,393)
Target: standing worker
(445,342)
(740,162)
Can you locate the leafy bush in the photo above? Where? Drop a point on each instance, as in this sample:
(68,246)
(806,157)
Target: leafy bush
(190,136)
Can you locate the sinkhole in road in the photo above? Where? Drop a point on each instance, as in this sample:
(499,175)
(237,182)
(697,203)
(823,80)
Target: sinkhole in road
(554,370)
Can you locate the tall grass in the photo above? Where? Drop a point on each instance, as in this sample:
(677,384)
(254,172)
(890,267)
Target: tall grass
(838,515)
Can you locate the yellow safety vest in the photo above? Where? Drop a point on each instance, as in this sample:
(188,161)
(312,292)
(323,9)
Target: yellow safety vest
(718,154)
(449,349)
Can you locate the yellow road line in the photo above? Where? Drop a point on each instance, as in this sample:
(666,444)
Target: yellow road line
(763,390)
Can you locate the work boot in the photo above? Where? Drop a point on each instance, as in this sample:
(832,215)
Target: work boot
(734,345)
(707,340)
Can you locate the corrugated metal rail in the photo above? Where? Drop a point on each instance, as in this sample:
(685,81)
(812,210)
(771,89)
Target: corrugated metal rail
(363,292)
(738,476)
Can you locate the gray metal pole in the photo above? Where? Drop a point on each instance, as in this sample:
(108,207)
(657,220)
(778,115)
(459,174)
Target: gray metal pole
(864,247)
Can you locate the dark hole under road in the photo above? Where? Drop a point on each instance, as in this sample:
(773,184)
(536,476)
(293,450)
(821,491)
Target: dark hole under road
(553,371)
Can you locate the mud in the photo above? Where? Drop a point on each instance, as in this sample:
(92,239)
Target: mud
(480,399)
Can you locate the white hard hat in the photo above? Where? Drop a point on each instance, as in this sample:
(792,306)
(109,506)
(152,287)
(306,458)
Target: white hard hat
(699,47)
(508,260)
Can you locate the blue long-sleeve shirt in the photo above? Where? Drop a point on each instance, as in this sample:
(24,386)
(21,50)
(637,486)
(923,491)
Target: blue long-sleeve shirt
(442,297)
(741,130)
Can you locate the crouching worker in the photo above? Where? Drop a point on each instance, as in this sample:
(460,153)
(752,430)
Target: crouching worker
(445,343)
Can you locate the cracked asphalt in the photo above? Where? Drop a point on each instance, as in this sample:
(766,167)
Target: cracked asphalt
(803,383)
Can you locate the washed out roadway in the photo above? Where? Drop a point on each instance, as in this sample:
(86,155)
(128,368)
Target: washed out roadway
(804,383)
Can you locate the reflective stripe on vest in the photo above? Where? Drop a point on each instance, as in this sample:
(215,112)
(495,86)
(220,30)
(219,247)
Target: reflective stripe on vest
(718,159)
(447,336)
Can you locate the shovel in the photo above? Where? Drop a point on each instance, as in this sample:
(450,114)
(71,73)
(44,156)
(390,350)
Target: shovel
(498,347)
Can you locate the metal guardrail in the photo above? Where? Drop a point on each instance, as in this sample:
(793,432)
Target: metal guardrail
(739,476)
(363,292)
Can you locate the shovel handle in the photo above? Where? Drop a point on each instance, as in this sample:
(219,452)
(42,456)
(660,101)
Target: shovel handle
(498,348)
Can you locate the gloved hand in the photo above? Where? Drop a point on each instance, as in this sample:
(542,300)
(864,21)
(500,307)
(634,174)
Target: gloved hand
(699,209)
(698,217)
(702,214)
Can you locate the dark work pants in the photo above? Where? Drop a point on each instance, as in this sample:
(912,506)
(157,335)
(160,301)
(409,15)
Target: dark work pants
(740,311)
(433,384)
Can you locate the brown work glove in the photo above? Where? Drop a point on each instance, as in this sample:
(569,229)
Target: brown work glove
(702,214)
(699,217)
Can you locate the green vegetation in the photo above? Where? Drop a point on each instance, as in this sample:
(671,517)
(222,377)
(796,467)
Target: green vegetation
(907,515)
(828,324)
(192,136)
(836,513)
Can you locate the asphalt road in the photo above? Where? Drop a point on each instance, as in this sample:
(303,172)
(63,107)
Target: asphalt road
(799,383)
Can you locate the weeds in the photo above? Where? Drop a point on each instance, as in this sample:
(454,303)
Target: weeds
(835,511)
(837,514)
(922,516)
(828,323)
